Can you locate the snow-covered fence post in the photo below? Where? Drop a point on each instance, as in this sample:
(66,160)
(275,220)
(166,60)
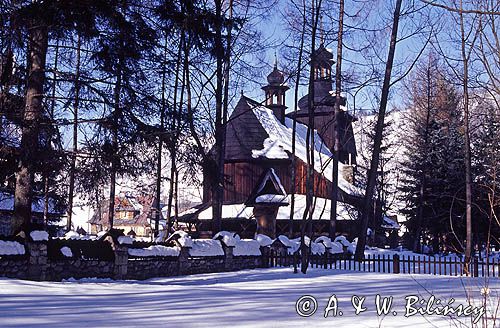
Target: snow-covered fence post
(283,252)
(121,257)
(182,240)
(37,265)
(476,267)
(264,250)
(36,245)
(228,257)
(184,260)
(395,263)
(228,242)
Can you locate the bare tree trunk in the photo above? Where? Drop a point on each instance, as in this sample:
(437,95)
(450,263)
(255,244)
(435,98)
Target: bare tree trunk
(468,174)
(46,173)
(218,184)
(377,143)
(172,147)
(294,121)
(336,133)
(114,143)
(176,200)
(160,147)
(177,132)
(225,99)
(37,40)
(310,146)
(76,106)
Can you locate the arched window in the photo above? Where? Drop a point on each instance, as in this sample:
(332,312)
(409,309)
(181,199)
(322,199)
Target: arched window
(275,99)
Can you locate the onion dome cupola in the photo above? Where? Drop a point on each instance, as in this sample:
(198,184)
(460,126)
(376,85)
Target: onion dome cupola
(275,92)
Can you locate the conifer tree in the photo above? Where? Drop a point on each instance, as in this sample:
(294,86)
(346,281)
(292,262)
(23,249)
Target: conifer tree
(433,187)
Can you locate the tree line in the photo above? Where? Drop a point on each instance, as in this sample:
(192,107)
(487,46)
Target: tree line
(111,88)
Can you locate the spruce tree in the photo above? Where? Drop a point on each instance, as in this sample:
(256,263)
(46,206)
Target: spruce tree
(433,187)
(486,172)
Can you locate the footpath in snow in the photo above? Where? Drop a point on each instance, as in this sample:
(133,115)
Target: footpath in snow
(252,298)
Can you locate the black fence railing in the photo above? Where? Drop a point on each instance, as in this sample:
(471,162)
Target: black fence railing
(447,266)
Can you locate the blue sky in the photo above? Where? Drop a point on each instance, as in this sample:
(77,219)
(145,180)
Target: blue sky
(378,19)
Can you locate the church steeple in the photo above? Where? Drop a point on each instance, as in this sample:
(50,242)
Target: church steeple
(275,92)
(322,61)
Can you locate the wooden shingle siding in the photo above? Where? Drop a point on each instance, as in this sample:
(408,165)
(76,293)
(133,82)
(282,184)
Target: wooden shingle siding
(244,132)
(241,178)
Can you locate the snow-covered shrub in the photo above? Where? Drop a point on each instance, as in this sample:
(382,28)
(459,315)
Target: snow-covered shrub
(332,247)
(228,238)
(343,240)
(293,245)
(182,238)
(317,248)
(326,241)
(263,240)
(345,243)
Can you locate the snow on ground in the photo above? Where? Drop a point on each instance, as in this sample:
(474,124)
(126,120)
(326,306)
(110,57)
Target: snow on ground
(251,298)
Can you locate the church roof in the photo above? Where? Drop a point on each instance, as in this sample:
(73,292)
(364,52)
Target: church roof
(322,207)
(244,132)
(255,133)
(322,56)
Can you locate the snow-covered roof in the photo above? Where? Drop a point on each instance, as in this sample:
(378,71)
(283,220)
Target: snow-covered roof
(390,223)
(268,190)
(271,198)
(279,145)
(321,211)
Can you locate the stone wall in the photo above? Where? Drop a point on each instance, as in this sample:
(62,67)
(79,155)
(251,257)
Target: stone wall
(78,268)
(139,269)
(14,266)
(205,265)
(36,265)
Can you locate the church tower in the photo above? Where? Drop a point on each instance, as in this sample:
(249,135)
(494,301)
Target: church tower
(324,108)
(275,93)
(322,61)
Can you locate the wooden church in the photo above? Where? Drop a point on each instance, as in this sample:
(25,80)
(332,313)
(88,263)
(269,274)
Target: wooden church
(258,161)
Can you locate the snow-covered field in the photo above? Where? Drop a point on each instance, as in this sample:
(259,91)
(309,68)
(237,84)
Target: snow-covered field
(252,298)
